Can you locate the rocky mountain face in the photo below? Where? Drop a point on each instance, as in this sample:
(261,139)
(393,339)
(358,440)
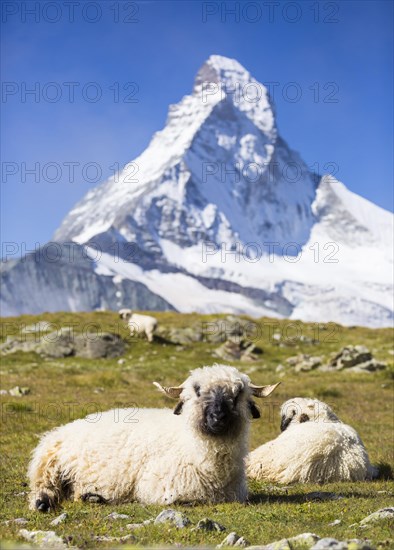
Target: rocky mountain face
(217,214)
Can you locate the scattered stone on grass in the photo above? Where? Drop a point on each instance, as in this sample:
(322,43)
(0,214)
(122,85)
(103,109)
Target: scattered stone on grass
(304,539)
(59,519)
(207,524)
(303,362)
(20,521)
(64,343)
(233,539)
(238,350)
(121,540)
(172,516)
(379,515)
(355,359)
(115,515)
(215,331)
(43,539)
(139,525)
(335,522)
(329,543)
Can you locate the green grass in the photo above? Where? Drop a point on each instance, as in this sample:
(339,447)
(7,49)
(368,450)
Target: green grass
(69,388)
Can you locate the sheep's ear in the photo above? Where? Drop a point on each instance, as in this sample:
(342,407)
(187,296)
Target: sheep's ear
(263,391)
(178,408)
(173,392)
(254,411)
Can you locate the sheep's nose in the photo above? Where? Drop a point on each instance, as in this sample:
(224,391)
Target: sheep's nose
(217,418)
(217,415)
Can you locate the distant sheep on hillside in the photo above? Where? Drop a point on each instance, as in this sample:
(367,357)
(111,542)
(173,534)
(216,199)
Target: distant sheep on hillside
(139,324)
(314,447)
(195,453)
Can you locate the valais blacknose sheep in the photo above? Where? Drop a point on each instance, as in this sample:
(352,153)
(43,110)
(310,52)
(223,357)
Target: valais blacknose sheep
(154,456)
(139,324)
(314,447)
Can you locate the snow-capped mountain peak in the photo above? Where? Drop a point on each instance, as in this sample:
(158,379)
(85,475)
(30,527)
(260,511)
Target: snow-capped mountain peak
(219,177)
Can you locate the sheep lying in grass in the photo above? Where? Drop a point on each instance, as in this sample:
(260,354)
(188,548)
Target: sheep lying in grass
(154,456)
(314,447)
(139,324)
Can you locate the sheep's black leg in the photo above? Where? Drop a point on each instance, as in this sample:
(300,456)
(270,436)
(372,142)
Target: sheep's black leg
(94,498)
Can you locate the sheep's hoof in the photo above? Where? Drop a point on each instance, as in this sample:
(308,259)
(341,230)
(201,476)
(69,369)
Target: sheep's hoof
(93,498)
(42,504)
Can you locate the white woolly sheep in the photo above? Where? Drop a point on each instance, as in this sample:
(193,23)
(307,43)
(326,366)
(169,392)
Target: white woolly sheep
(154,456)
(139,324)
(314,447)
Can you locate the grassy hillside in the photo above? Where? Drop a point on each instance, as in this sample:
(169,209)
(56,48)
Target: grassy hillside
(68,388)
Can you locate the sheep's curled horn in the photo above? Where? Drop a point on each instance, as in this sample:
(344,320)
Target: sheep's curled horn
(257,391)
(262,391)
(173,392)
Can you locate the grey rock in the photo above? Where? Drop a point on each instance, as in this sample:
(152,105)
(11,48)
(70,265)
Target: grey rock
(335,522)
(379,515)
(43,539)
(355,359)
(172,516)
(238,350)
(3,392)
(207,524)
(304,362)
(95,346)
(57,344)
(368,366)
(11,345)
(139,525)
(304,539)
(59,519)
(64,343)
(19,521)
(121,540)
(233,539)
(115,515)
(330,543)
(242,542)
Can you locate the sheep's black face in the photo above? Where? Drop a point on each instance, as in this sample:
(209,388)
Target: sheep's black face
(220,416)
(285,420)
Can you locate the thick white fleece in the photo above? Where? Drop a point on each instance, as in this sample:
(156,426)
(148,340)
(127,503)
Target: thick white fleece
(319,450)
(149,455)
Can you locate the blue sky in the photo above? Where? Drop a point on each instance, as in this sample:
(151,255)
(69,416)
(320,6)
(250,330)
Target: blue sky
(337,53)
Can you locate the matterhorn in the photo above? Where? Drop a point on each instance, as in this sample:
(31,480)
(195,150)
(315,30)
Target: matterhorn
(218,214)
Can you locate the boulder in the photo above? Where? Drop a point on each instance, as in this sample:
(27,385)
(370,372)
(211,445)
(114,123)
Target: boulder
(65,343)
(238,350)
(303,362)
(207,524)
(355,359)
(379,515)
(172,516)
(95,346)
